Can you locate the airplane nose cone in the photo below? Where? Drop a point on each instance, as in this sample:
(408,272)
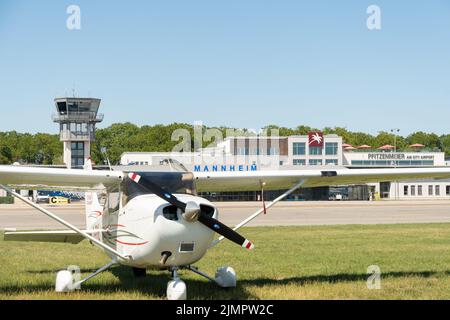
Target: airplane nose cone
(192,211)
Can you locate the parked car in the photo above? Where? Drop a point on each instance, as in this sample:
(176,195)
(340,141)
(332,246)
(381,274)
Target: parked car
(42,198)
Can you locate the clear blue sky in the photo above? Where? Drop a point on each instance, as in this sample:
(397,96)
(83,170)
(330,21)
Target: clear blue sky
(230,62)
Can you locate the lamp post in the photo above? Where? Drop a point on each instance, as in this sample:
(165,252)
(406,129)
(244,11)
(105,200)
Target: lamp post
(395,131)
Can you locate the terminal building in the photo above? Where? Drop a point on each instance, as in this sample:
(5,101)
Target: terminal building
(299,153)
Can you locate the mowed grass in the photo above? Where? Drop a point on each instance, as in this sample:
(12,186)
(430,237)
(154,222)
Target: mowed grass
(320,262)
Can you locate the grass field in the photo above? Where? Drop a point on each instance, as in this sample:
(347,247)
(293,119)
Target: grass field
(328,262)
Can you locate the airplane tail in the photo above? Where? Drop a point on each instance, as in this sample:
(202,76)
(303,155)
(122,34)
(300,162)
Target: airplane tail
(94,210)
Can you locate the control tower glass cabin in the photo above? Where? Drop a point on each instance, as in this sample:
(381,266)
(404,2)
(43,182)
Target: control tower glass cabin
(77,118)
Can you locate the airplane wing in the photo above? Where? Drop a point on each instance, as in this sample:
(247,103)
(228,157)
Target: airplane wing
(67,236)
(285,179)
(60,179)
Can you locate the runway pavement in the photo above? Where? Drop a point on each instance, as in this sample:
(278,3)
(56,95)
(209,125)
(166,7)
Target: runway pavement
(22,217)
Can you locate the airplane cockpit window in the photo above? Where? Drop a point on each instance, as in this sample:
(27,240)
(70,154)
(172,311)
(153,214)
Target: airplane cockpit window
(173,164)
(173,182)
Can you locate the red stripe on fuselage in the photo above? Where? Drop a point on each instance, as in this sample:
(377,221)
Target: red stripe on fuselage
(131,244)
(98,213)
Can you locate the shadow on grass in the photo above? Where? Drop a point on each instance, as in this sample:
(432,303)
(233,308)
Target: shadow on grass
(154,285)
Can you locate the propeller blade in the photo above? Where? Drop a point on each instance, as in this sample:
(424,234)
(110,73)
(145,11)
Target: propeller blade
(154,188)
(225,231)
(209,222)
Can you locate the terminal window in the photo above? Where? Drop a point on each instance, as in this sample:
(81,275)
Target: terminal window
(430,190)
(413,190)
(315,162)
(386,163)
(242,151)
(438,190)
(299,162)
(405,190)
(331,161)
(419,190)
(331,148)
(447,190)
(299,148)
(315,150)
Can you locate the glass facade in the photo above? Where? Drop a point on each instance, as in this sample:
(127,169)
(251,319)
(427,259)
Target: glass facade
(299,148)
(315,151)
(315,162)
(242,151)
(331,161)
(331,148)
(412,163)
(299,162)
(77,149)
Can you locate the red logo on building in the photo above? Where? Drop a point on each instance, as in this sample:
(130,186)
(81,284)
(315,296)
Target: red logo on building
(315,139)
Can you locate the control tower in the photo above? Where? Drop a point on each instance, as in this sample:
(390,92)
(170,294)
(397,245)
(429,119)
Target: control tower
(77,118)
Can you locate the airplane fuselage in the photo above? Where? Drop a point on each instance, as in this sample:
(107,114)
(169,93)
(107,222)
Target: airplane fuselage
(147,227)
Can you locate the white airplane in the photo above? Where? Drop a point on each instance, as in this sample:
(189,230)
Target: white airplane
(155,220)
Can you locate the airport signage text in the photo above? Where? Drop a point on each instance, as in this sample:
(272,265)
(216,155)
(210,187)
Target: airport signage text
(399,156)
(223,168)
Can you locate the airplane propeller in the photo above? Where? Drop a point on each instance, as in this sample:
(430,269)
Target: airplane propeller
(192,212)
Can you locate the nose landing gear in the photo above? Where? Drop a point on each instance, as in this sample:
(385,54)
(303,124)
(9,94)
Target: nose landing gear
(176,289)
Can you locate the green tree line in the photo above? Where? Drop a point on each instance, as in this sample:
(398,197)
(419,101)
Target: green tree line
(46,149)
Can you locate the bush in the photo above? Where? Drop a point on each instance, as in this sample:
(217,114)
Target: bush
(6,200)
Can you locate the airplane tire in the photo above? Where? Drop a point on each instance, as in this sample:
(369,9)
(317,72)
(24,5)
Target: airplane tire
(139,273)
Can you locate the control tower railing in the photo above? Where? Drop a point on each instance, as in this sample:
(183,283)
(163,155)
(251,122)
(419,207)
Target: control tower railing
(78,116)
(67,135)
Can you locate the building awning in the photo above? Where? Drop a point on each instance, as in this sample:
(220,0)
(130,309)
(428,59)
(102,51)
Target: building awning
(386,147)
(364,146)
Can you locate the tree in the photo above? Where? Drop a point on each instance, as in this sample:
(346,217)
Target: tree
(445,144)
(431,141)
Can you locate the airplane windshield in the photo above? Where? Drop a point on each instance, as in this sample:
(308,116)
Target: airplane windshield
(173,182)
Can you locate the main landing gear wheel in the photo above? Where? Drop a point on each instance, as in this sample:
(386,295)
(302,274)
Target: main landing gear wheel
(64,281)
(176,289)
(139,272)
(226,277)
